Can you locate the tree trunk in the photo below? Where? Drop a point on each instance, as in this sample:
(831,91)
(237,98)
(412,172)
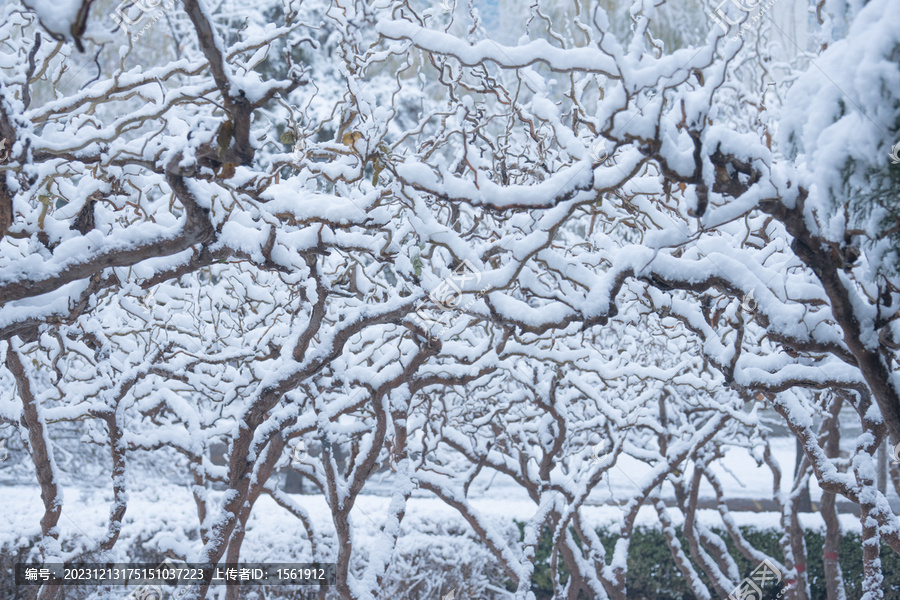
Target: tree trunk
(834,580)
(804,502)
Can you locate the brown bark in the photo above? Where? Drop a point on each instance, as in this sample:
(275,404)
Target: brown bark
(817,255)
(6,206)
(804,500)
(233,555)
(196,229)
(816,457)
(799,591)
(742,545)
(834,581)
(790,527)
(39,449)
(341,492)
(42,458)
(873,578)
(120,504)
(239,466)
(199,495)
(698,553)
(682,562)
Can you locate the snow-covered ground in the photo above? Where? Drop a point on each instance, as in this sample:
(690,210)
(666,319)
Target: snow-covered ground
(273,534)
(156,508)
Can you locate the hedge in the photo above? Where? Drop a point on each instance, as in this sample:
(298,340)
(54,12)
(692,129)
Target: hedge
(652,574)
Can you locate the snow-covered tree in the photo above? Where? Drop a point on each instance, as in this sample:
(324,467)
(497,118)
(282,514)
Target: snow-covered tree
(381,243)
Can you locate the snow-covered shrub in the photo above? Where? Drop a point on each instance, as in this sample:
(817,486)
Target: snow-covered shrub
(366,240)
(433,558)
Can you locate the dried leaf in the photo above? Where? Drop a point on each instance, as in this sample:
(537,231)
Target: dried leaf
(351,137)
(227,171)
(377,167)
(223,138)
(45,202)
